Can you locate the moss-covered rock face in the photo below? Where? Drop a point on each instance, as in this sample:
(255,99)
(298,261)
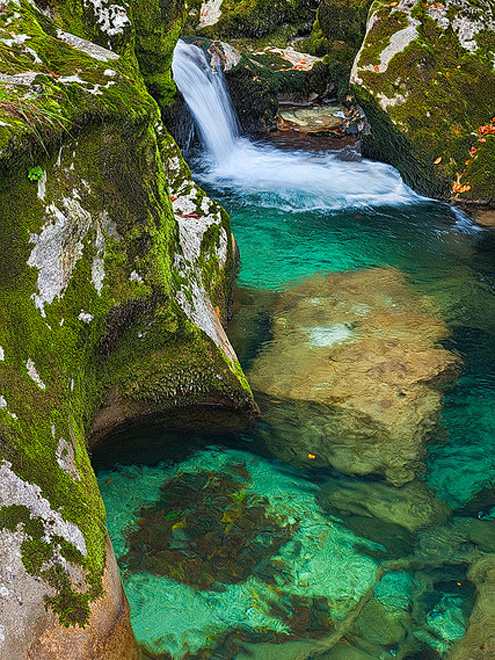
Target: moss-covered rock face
(338,33)
(261,80)
(115,282)
(425,77)
(253,22)
(258,81)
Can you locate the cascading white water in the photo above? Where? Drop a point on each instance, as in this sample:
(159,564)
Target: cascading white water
(204,91)
(296,180)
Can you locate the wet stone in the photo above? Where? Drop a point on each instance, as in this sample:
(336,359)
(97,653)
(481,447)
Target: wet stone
(364,349)
(315,119)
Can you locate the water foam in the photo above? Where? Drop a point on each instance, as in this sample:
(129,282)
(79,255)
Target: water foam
(290,180)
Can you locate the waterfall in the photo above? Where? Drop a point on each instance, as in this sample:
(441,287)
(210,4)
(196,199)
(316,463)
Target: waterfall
(271,177)
(205,93)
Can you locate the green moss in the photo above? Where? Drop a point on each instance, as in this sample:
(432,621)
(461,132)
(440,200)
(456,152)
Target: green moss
(248,20)
(159,25)
(101,152)
(71,606)
(259,80)
(479,173)
(385,25)
(338,33)
(439,95)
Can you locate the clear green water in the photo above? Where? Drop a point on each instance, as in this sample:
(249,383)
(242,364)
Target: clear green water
(187,512)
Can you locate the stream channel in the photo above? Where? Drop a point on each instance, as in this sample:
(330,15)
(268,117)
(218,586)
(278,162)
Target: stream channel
(343,525)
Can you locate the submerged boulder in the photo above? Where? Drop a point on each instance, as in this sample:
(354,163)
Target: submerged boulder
(413,506)
(366,351)
(479,640)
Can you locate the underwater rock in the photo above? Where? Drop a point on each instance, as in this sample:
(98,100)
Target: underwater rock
(346,651)
(380,626)
(206,531)
(479,532)
(479,641)
(227,549)
(411,507)
(364,347)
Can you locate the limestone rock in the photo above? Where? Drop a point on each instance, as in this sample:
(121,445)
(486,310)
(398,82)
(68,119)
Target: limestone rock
(362,347)
(485,218)
(479,640)
(424,76)
(319,119)
(112,298)
(413,506)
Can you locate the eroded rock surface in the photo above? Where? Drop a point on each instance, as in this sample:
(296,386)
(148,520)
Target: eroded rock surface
(424,74)
(115,283)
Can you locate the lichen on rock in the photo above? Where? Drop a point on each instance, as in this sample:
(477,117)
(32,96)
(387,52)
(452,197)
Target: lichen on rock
(105,311)
(424,75)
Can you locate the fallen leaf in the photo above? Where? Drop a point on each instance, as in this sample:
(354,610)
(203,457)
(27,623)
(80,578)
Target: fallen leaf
(377,68)
(438,160)
(457,187)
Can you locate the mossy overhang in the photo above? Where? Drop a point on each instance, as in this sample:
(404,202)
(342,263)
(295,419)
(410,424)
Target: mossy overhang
(89,249)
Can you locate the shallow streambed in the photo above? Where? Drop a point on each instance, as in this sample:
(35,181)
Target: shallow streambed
(321,553)
(344,524)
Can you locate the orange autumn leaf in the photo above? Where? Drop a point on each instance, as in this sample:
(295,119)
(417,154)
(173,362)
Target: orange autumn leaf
(438,160)
(377,68)
(487,130)
(457,132)
(457,187)
(447,73)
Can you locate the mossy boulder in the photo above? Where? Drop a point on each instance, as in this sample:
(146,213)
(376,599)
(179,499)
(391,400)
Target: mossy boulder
(115,284)
(262,79)
(425,77)
(258,81)
(338,33)
(255,23)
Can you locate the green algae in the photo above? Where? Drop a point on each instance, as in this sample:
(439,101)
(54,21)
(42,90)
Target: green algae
(274,603)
